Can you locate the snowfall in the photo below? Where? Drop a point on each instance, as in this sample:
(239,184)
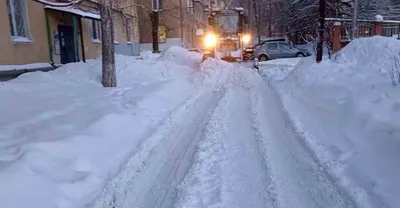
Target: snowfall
(180,133)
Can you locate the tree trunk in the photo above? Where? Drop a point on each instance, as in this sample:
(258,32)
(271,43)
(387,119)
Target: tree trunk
(107,40)
(154,25)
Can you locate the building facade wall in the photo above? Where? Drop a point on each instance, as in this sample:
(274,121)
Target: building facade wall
(37,50)
(92,48)
(180,22)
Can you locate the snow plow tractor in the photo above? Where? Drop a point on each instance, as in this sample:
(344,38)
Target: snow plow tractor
(225,37)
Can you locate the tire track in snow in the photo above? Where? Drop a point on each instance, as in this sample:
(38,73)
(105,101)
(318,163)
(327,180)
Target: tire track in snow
(151,175)
(201,186)
(361,197)
(298,180)
(244,174)
(257,126)
(116,192)
(229,169)
(185,140)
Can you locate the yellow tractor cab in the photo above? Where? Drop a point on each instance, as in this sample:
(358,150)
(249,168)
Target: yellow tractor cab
(225,37)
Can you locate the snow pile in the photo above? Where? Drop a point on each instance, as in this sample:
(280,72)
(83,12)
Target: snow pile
(213,73)
(374,54)
(146,55)
(278,69)
(348,110)
(181,56)
(63,136)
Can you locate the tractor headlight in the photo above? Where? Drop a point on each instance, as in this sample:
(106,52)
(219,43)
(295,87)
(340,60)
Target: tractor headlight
(246,38)
(210,40)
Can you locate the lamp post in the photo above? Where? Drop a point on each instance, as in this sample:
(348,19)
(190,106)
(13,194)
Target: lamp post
(354,20)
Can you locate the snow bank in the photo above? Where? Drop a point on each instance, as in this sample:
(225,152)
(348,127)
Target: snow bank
(348,110)
(181,56)
(63,136)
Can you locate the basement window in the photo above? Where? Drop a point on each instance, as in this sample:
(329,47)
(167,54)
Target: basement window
(18,17)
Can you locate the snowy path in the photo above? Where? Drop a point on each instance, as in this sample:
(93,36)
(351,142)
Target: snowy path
(297,178)
(232,146)
(215,137)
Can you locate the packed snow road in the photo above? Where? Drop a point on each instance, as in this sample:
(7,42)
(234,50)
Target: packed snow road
(230,145)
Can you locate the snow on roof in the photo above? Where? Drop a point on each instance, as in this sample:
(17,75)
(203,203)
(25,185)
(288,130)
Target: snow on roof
(54,3)
(361,20)
(74,10)
(59,4)
(239,9)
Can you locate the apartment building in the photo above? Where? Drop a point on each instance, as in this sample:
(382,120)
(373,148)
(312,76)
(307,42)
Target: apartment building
(61,31)
(179,20)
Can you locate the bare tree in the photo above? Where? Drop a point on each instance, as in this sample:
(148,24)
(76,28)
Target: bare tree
(108,48)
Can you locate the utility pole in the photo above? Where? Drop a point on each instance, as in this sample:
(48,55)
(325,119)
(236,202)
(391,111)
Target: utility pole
(354,23)
(155,20)
(320,44)
(269,18)
(250,18)
(337,9)
(256,18)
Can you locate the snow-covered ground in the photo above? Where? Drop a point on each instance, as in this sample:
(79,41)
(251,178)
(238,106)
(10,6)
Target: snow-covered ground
(63,136)
(347,111)
(177,133)
(278,69)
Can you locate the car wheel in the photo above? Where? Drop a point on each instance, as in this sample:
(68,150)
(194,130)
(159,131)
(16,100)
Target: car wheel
(300,55)
(263,58)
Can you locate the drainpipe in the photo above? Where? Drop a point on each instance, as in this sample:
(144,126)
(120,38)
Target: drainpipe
(76,42)
(49,38)
(181,20)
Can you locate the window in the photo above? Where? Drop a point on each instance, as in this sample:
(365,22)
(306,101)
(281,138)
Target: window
(199,15)
(18,17)
(96,33)
(284,46)
(189,5)
(228,23)
(272,46)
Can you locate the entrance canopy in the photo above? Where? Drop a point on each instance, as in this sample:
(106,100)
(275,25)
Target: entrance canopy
(76,11)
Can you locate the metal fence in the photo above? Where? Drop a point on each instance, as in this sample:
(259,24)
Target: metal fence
(367,29)
(390,30)
(364,29)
